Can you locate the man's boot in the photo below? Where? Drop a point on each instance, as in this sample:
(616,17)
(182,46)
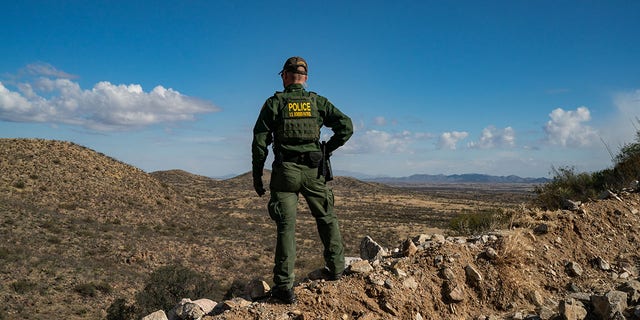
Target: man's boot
(287,296)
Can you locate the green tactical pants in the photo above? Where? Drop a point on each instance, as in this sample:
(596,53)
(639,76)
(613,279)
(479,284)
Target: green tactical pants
(287,182)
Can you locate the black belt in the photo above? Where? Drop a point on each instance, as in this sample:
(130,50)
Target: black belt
(309,159)
(299,158)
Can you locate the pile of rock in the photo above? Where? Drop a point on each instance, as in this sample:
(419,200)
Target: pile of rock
(459,280)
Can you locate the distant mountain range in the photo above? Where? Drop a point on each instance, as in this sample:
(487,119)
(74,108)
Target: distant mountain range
(429,178)
(456,178)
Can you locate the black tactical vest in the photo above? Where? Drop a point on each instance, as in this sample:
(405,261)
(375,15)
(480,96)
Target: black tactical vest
(298,121)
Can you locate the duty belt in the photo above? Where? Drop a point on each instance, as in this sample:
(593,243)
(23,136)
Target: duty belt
(309,159)
(299,158)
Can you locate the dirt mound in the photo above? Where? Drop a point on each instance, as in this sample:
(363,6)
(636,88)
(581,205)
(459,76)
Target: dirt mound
(525,271)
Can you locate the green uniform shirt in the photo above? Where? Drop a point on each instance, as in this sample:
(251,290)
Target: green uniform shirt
(263,131)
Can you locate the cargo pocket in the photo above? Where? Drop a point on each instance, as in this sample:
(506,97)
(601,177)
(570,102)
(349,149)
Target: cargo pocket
(329,203)
(275,210)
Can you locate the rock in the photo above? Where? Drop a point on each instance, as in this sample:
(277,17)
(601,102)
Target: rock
(158,315)
(421,239)
(438,238)
(418,316)
(362,266)
(399,272)
(600,263)
(386,306)
(447,274)
(187,310)
(388,284)
(453,292)
(632,289)
(256,289)
(545,313)
(207,305)
(572,310)
(542,228)
(235,303)
(410,283)
(473,276)
(612,303)
(349,260)
(573,269)
(535,298)
(490,253)
(608,194)
(375,279)
(571,205)
(370,250)
(409,248)
(583,297)
(438,260)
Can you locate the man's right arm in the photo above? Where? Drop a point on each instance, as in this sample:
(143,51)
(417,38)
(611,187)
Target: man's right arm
(262,137)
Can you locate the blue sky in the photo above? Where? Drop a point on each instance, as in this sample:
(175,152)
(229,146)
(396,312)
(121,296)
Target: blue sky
(434,87)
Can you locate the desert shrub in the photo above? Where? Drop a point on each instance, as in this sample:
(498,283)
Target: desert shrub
(19,184)
(120,310)
(23,286)
(627,167)
(90,290)
(4,253)
(477,222)
(168,285)
(566,184)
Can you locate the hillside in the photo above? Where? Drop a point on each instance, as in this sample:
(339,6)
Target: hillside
(80,229)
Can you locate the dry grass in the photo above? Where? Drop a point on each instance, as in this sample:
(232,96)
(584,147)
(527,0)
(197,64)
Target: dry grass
(79,228)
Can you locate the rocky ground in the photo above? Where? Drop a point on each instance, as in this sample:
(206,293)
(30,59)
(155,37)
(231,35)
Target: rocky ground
(568,264)
(79,229)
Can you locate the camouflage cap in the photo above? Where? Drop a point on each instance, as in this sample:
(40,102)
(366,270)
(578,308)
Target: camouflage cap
(292,64)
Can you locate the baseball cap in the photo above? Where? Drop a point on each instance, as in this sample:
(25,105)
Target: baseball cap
(292,64)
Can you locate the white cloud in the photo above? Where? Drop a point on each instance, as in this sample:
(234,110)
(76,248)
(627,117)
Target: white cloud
(449,140)
(493,138)
(375,141)
(622,126)
(46,70)
(568,128)
(380,121)
(104,107)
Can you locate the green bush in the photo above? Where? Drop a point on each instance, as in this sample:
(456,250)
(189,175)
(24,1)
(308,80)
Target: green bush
(90,290)
(20,184)
(472,223)
(168,285)
(567,184)
(23,286)
(120,310)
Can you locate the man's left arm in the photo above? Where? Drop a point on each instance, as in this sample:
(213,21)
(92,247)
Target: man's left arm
(339,123)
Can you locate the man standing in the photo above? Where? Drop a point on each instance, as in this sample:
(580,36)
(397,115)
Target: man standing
(291,120)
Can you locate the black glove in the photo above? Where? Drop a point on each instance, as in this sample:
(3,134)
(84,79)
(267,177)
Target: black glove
(257,185)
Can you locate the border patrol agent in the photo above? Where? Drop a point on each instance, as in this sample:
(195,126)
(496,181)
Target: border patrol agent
(291,120)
